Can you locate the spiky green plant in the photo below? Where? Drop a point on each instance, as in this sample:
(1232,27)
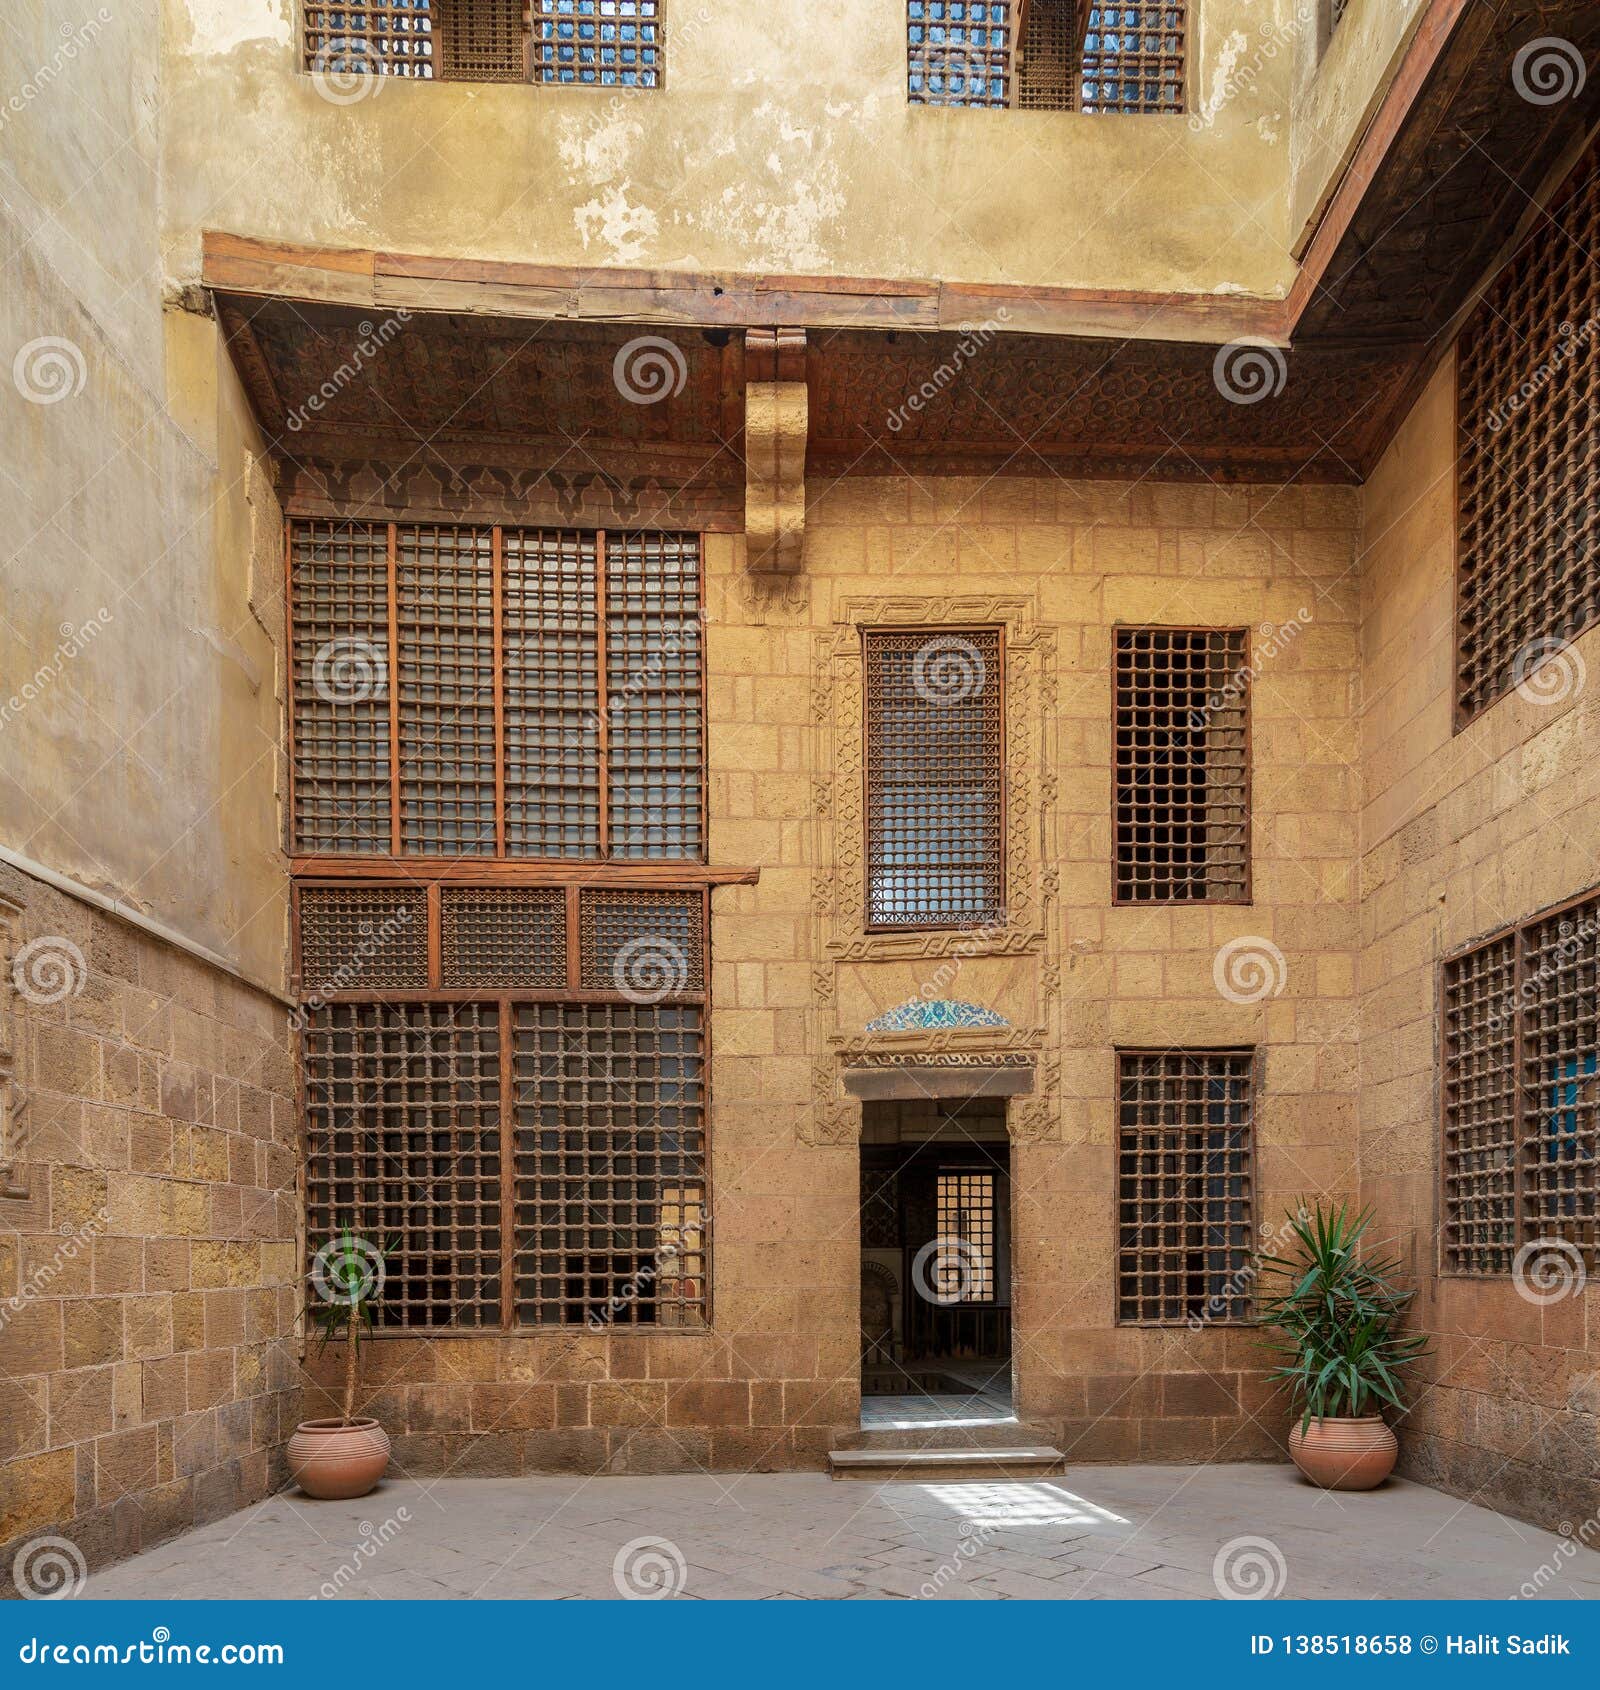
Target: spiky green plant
(1340,1314)
(346,1283)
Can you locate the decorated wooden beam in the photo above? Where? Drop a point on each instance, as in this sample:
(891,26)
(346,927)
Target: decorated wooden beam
(776,426)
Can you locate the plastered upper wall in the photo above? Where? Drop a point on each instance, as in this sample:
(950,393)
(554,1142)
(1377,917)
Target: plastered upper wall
(782,141)
(139,706)
(1339,80)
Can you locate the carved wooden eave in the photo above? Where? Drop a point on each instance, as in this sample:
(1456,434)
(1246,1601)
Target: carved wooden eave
(776,426)
(498,400)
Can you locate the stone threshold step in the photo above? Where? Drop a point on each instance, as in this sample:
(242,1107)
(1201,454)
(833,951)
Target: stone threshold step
(1030,1461)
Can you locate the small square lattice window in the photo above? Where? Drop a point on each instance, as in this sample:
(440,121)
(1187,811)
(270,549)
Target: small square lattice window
(480,40)
(1047,71)
(935,790)
(645,945)
(503,936)
(361,939)
(958,52)
(1182,796)
(1528,408)
(369,38)
(1520,1166)
(1133,58)
(610,43)
(1185,1186)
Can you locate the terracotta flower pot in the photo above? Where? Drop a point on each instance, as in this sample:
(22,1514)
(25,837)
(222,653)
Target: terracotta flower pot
(333,1461)
(1345,1454)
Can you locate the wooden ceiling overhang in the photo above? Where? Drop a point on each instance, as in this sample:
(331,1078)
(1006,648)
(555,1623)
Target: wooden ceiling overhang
(471,389)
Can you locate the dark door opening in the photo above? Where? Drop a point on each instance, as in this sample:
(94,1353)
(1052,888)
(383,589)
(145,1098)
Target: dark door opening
(936,1254)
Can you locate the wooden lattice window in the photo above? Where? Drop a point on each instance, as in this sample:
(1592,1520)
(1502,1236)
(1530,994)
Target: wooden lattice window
(959,52)
(403,1131)
(644,944)
(610,1165)
(1520,1164)
(1185,1186)
(963,1260)
(1182,745)
(1047,63)
(608,43)
(481,40)
(362,937)
(540,692)
(1528,410)
(653,710)
(340,701)
(935,786)
(1134,57)
(1048,55)
(374,38)
(503,936)
(593,1211)
(605,43)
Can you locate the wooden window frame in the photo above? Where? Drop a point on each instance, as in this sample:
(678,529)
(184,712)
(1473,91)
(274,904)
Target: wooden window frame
(1119,898)
(1539,348)
(999,915)
(398,860)
(433,64)
(1523,1235)
(572,881)
(1251,1055)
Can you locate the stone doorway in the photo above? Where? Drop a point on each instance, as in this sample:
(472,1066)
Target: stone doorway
(935,1263)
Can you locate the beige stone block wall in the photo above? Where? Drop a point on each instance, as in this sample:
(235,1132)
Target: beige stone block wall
(1462,833)
(148,1258)
(775,1382)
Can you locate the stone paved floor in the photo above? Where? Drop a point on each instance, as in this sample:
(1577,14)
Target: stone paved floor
(1114,1532)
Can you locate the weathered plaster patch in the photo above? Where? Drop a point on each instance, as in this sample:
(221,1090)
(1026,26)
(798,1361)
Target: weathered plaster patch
(219,26)
(1221,78)
(597,147)
(626,230)
(785,209)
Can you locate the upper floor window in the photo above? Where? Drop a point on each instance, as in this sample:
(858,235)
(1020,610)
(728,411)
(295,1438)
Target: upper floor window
(1047,55)
(496,692)
(1520,1166)
(1182,778)
(603,43)
(935,744)
(1528,416)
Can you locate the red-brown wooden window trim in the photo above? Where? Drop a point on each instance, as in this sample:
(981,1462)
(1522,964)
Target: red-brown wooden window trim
(504,1056)
(463,692)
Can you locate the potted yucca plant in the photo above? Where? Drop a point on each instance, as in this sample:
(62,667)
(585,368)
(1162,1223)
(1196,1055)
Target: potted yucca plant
(1340,1315)
(335,1459)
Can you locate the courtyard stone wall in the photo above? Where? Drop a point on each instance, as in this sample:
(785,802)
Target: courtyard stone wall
(149,1275)
(1464,833)
(776,1381)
